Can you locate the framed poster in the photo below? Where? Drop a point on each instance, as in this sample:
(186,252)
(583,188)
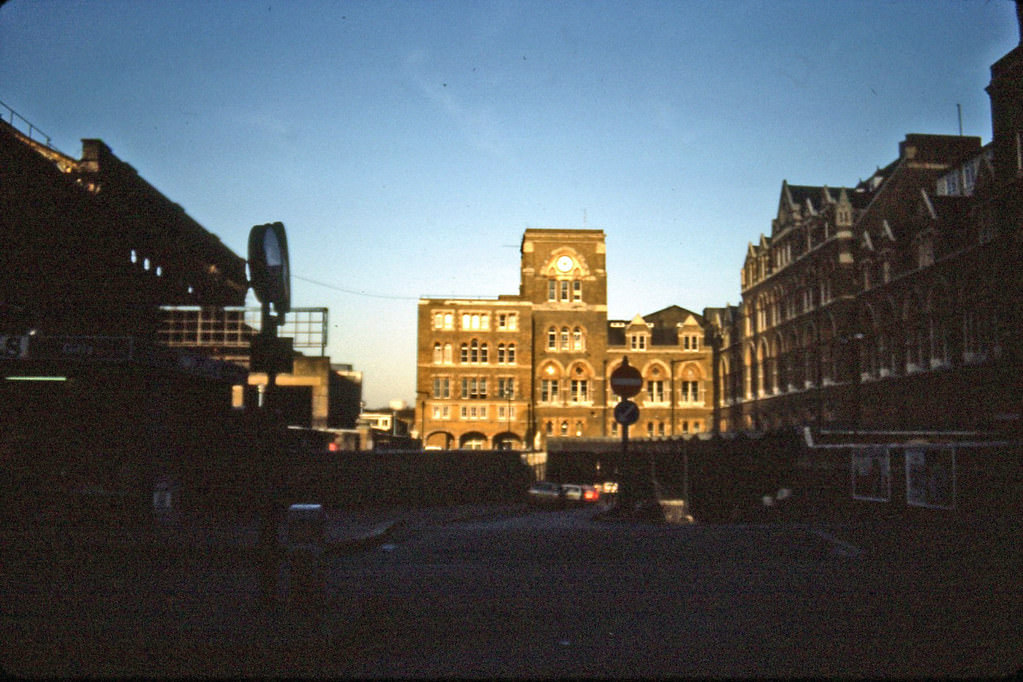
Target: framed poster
(871,474)
(931,477)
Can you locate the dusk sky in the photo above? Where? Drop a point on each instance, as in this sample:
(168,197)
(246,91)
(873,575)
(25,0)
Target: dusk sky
(406,146)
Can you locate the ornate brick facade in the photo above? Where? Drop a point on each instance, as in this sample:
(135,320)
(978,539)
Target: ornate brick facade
(518,370)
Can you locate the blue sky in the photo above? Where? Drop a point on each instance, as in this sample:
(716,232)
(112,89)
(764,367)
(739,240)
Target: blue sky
(406,146)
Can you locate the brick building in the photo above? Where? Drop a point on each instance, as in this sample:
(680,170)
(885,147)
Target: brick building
(890,304)
(519,369)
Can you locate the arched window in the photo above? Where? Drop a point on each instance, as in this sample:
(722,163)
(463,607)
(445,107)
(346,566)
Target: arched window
(447,354)
(564,339)
(552,339)
(511,354)
(577,339)
(438,354)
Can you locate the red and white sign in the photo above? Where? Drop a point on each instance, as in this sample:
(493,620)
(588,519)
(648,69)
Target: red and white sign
(626,381)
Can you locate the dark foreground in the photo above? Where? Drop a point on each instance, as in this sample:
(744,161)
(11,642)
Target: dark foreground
(515,592)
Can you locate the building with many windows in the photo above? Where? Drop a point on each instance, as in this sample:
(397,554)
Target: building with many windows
(893,303)
(514,371)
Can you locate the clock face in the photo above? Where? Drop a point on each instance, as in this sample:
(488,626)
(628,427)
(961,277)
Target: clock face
(564,263)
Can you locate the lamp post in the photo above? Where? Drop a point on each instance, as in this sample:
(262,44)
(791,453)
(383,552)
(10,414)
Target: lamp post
(422,418)
(674,395)
(509,393)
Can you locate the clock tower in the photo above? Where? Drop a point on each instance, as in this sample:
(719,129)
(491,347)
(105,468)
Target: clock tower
(563,277)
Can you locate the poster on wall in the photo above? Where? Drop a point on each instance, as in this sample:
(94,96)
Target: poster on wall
(930,477)
(871,474)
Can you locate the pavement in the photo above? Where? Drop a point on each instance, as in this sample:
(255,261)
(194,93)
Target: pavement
(181,595)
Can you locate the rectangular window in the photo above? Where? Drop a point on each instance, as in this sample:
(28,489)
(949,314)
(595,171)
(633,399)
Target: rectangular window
(690,391)
(552,290)
(655,391)
(577,290)
(580,390)
(441,387)
(507,322)
(473,388)
(549,391)
(505,387)
(564,289)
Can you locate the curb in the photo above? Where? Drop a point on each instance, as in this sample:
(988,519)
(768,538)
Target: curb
(374,538)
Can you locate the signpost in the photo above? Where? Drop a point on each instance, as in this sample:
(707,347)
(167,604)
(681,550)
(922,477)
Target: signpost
(626,381)
(270,278)
(637,498)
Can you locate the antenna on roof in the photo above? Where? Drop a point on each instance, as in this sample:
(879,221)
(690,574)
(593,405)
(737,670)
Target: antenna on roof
(959,110)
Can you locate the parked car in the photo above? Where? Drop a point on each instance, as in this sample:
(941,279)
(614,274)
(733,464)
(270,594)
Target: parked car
(544,492)
(572,493)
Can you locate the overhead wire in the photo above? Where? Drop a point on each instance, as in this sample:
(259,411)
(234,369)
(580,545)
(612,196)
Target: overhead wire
(368,294)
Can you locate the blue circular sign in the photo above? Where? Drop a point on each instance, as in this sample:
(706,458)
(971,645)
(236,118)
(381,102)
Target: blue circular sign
(626,412)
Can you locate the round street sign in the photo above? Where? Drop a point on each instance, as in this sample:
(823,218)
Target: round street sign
(626,412)
(626,380)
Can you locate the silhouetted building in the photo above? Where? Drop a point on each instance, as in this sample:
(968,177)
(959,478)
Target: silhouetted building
(892,303)
(90,403)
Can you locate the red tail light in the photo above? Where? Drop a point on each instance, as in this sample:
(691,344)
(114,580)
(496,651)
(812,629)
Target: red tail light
(590,494)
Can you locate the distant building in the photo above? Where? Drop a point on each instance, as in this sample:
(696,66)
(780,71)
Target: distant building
(515,371)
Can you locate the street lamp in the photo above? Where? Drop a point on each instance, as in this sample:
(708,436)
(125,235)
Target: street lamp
(674,398)
(509,393)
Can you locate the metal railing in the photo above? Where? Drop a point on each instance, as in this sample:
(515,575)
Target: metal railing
(26,128)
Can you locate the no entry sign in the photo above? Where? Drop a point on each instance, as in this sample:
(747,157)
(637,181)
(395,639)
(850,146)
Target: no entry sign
(626,381)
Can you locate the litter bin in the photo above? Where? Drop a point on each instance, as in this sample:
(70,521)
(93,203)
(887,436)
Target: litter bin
(306,527)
